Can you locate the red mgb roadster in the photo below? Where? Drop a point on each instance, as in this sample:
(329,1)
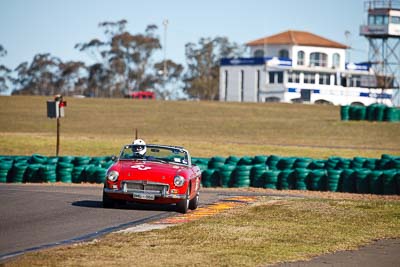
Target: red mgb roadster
(156,174)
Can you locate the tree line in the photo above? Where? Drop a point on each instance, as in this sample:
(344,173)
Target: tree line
(123,63)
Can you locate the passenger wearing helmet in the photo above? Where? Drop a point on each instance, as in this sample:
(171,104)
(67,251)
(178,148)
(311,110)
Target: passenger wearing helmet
(139,148)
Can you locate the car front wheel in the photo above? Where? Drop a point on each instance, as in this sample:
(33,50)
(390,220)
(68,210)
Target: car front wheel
(183,205)
(194,203)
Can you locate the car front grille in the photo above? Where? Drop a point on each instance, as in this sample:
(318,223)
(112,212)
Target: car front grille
(145,187)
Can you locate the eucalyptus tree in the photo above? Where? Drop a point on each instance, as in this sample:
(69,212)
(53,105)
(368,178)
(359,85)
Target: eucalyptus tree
(40,77)
(72,78)
(202,77)
(5,73)
(124,61)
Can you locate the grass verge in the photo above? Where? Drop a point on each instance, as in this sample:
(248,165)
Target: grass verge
(274,229)
(98,127)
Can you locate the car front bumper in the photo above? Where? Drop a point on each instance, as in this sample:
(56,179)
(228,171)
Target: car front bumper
(133,193)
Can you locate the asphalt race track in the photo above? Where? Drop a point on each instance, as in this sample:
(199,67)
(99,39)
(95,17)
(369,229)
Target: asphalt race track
(38,216)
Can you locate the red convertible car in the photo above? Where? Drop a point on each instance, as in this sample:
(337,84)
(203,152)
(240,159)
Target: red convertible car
(156,174)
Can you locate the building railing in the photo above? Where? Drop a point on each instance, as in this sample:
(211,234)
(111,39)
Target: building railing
(382,4)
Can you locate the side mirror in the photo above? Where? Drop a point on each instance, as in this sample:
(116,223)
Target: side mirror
(114,158)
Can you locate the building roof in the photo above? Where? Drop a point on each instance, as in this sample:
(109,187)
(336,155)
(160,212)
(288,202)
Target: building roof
(296,38)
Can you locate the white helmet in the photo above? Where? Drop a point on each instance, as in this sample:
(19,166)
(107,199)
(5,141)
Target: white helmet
(139,147)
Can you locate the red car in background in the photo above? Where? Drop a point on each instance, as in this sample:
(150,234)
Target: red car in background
(143,95)
(164,175)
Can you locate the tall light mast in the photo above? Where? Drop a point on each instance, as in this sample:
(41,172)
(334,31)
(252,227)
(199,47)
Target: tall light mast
(165,71)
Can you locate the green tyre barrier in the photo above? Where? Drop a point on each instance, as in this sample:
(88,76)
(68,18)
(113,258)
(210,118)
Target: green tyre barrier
(256,173)
(202,163)
(18,172)
(332,163)
(78,174)
(100,175)
(107,164)
(38,159)
(389,182)
(362,184)
(388,162)
(302,163)
(100,161)
(358,162)
(5,169)
(225,175)
(245,161)
(348,178)
(206,177)
(316,180)
(3,176)
(357,113)
(241,176)
(51,160)
(90,171)
(375,182)
(332,181)
(66,159)
(370,164)
(391,114)
(284,179)
(216,162)
(361,113)
(343,164)
(384,164)
(260,159)
(317,164)
(380,112)
(65,175)
(21,159)
(397,180)
(79,161)
(286,163)
(232,160)
(396,163)
(370,115)
(301,175)
(215,179)
(271,179)
(48,173)
(272,162)
(344,113)
(32,174)
(64,165)
(64,172)
(257,181)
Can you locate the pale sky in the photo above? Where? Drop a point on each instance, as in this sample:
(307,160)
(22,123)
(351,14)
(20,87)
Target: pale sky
(29,27)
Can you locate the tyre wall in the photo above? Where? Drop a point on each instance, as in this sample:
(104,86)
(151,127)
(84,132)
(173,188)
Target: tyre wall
(335,174)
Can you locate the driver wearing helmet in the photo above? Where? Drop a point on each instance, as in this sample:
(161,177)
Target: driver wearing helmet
(139,148)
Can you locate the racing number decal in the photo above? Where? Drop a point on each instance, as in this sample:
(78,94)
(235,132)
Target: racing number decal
(140,167)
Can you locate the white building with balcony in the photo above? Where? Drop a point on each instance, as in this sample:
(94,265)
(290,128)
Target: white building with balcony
(298,66)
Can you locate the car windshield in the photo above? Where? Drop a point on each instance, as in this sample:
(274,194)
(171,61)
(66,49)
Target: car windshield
(156,153)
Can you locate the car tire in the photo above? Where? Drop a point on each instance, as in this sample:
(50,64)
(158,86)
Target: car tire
(183,205)
(108,203)
(194,203)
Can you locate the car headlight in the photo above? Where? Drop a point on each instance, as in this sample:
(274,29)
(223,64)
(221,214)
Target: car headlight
(179,180)
(112,176)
